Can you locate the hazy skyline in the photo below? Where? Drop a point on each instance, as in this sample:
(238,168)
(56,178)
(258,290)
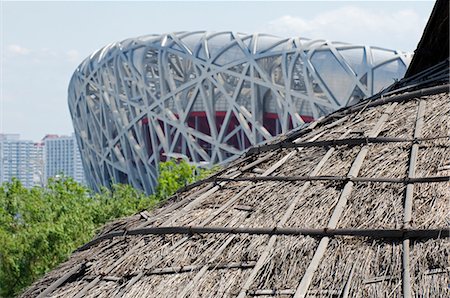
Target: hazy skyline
(42,43)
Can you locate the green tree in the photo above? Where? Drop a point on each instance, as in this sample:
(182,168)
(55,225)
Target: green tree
(40,227)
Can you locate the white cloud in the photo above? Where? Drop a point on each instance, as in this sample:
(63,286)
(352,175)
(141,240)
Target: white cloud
(18,50)
(73,56)
(46,52)
(357,25)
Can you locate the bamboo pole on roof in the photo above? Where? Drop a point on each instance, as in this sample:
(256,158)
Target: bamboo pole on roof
(346,290)
(212,266)
(374,101)
(340,142)
(257,162)
(290,292)
(191,205)
(407,214)
(106,271)
(198,196)
(305,282)
(205,268)
(168,209)
(318,232)
(268,172)
(403,97)
(267,250)
(60,281)
(408,180)
(412,179)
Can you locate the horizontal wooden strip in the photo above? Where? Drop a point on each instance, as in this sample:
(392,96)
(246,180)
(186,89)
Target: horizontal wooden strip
(190,230)
(403,97)
(390,277)
(278,292)
(179,269)
(406,180)
(271,292)
(63,279)
(432,179)
(376,100)
(189,268)
(340,142)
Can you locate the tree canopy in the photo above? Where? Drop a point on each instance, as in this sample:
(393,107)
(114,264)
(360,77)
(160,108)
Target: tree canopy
(40,227)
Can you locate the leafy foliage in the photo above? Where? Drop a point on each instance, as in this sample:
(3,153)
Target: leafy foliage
(40,227)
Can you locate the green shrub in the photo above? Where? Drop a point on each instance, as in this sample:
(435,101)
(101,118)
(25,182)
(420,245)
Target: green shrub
(42,226)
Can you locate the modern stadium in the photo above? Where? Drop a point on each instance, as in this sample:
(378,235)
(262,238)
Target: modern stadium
(206,97)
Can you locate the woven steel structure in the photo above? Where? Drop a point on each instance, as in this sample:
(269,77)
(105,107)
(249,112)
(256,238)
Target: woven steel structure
(206,97)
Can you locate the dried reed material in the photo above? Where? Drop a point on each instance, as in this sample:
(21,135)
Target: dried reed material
(225,193)
(432,161)
(105,289)
(216,198)
(363,266)
(157,215)
(437,113)
(374,205)
(245,248)
(340,162)
(69,289)
(167,285)
(316,206)
(369,259)
(430,268)
(207,215)
(268,205)
(153,247)
(431,205)
(228,218)
(431,201)
(402,125)
(300,164)
(432,285)
(276,156)
(289,252)
(377,165)
(106,259)
(358,123)
(83,257)
(194,252)
(219,283)
(194,217)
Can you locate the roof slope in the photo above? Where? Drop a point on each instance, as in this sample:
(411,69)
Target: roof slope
(354,205)
(433,47)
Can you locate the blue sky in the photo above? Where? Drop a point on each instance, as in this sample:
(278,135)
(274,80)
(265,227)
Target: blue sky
(43,42)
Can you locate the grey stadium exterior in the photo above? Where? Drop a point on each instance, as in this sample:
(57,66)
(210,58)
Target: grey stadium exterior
(206,97)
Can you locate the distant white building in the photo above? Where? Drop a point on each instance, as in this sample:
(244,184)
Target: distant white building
(17,159)
(62,156)
(38,164)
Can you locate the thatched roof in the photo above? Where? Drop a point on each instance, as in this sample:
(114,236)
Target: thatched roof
(355,205)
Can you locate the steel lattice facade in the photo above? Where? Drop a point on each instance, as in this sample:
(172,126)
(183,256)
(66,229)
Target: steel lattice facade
(206,97)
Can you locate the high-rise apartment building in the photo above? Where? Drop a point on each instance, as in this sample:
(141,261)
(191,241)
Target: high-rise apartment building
(17,159)
(34,162)
(62,156)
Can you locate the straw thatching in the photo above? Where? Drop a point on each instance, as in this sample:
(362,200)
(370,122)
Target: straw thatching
(355,205)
